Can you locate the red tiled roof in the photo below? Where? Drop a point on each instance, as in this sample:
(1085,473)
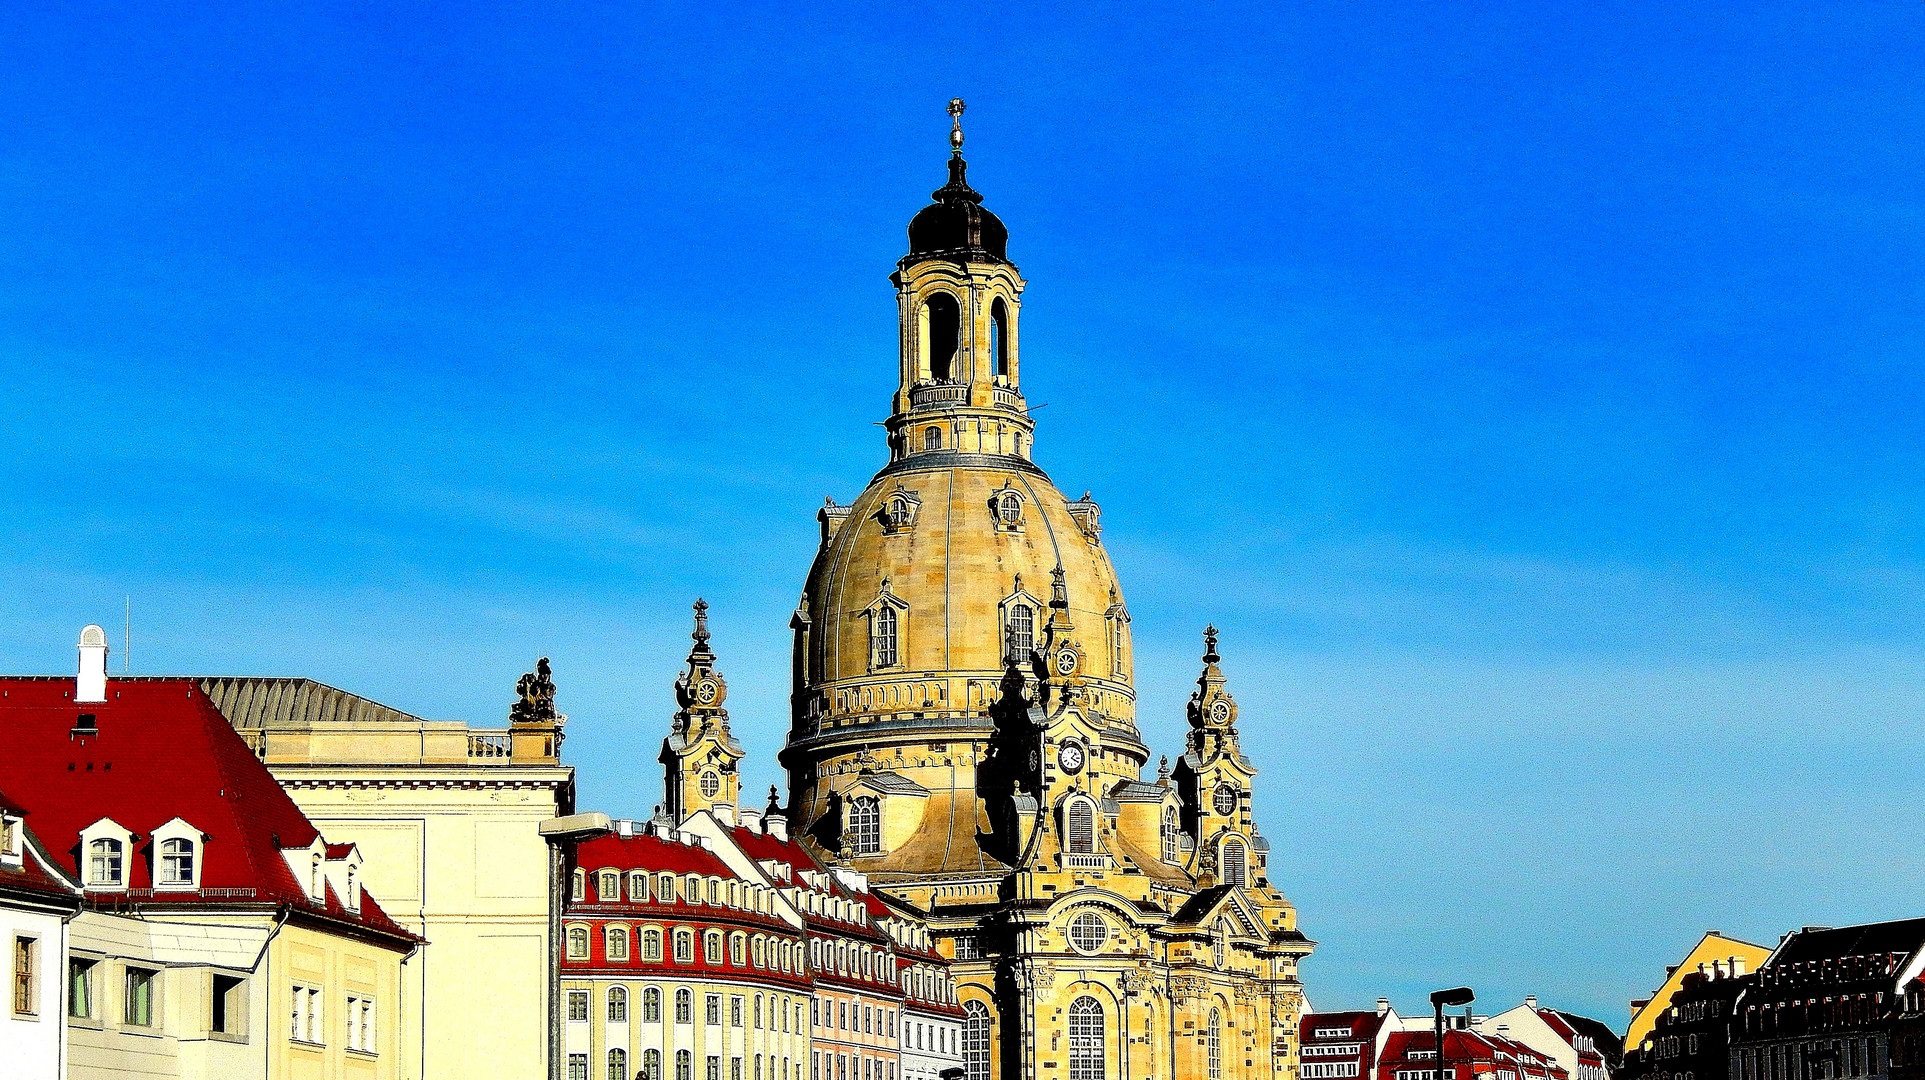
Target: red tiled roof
(1362,1025)
(644,852)
(33,874)
(162,751)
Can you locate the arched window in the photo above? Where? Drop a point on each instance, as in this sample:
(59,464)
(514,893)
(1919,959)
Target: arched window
(738,950)
(617,1005)
(1169,834)
(578,943)
(617,943)
(1086,1039)
(651,1065)
(712,947)
(684,1064)
(1079,832)
(652,1009)
(608,886)
(945,335)
(176,862)
(1236,870)
(884,628)
(1213,1043)
(1022,631)
(999,336)
(684,1006)
(975,1041)
(618,1065)
(1009,508)
(865,825)
(104,862)
(932,438)
(1220,942)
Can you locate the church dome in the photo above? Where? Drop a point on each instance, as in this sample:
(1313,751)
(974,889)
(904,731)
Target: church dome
(961,551)
(956,225)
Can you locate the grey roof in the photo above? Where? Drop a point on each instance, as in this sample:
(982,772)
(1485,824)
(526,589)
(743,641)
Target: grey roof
(282,703)
(1137,791)
(890,783)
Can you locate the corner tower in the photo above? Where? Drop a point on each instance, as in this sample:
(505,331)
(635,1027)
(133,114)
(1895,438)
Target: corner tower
(700,755)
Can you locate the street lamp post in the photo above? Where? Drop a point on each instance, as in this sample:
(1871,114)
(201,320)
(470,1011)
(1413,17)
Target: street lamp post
(1458,996)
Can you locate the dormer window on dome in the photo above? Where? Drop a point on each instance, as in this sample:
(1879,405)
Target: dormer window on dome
(1006,509)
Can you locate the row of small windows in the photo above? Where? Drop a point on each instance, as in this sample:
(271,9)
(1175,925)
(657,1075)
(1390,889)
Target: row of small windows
(734,894)
(852,960)
(1018,630)
(743,950)
(107,862)
(780,1014)
(685,1067)
(942,336)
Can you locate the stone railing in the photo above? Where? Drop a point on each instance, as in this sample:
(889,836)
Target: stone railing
(489,745)
(1007,398)
(939,394)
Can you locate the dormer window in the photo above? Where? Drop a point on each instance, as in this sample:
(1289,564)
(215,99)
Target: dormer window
(106,863)
(865,825)
(177,862)
(9,837)
(1009,509)
(665,888)
(638,887)
(578,890)
(608,886)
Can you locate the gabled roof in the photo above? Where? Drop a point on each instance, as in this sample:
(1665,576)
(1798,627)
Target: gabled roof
(890,783)
(642,851)
(38,876)
(261,703)
(161,751)
(1362,1025)
(1137,791)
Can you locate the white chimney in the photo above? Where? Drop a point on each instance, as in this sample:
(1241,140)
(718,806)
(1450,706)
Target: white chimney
(1383,1006)
(752,820)
(91,686)
(724,813)
(1531,1003)
(1737,965)
(777,826)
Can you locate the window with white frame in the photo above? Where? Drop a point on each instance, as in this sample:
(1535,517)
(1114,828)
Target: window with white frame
(1213,1045)
(883,640)
(865,825)
(1086,1038)
(106,862)
(360,1021)
(712,947)
(1328,1070)
(651,1006)
(637,887)
(684,1006)
(1169,834)
(578,1006)
(618,1064)
(81,987)
(1019,631)
(305,1015)
(578,1067)
(1088,931)
(617,944)
(608,886)
(579,888)
(177,861)
(651,944)
(617,1005)
(578,943)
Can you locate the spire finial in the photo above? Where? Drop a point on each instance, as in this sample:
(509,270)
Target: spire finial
(955,126)
(701,633)
(1209,645)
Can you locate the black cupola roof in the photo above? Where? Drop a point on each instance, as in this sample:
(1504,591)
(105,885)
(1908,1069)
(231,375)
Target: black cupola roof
(956,226)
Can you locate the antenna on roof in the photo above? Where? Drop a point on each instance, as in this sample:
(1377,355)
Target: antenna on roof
(127,626)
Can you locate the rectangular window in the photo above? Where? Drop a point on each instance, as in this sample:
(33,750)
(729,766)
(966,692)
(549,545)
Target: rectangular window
(735,1069)
(227,1006)
(80,988)
(26,978)
(360,1024)
(139,1002)
(578,1067)
(735,1011)
(712,1011)
(968,948)
(1329,1070)
(714,1066)
(578,1006)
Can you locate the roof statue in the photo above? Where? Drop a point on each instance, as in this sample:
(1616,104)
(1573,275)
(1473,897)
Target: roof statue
(537,692)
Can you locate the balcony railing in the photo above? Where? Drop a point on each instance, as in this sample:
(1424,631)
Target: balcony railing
(486,745)
(939,394)
(1086,862)
(1007,398)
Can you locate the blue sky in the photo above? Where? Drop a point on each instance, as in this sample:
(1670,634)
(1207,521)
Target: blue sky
(1531,395)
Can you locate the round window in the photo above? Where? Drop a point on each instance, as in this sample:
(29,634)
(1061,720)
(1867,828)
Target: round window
(1226,800)
(1088,932)
(711,784)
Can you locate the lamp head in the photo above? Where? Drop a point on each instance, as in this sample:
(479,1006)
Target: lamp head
(1457,996)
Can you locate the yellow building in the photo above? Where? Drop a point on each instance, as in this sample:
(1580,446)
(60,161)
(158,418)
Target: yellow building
(1727,956)
(448,819)
(964,727)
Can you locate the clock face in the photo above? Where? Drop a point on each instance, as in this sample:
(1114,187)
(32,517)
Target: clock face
(1066,661)
(1220,712)
(1070,756)
(705,691)
(1226,800)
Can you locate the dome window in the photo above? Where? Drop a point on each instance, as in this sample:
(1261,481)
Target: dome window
(865,825)
(1006,509)
(1169,834)
(1079,828)
(932,438)
(1022,630)
(885,631)
(899,510)
(886,617)
(942,334)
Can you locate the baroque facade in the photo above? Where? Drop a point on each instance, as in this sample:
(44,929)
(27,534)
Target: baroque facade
(963,729)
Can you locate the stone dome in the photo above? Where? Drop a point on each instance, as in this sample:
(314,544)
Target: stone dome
(954,569)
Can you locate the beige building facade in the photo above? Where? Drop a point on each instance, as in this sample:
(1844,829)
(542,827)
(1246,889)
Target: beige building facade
(447,818)
(964,733)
